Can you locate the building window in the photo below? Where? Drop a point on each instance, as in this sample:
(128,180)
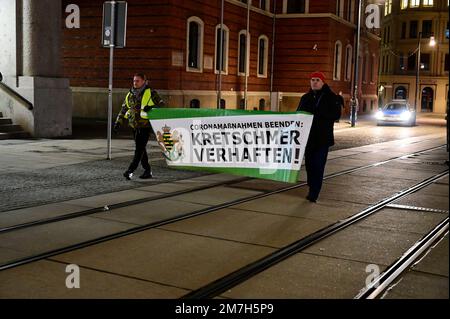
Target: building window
(427,26)
(427,3)
(194,45)
(340,8)
(222,104)
(224,36)
(400,93)
(242,104)
(262,104)
(403,34)
(263,52)
(243,54)
(194,104)
(388,7)
(446,63)
(348,62)
(337,61)
(414,3)
(294,6)
(404,4)
(264,5)
(413,29)
(350,5)
(425,61)
(351,11)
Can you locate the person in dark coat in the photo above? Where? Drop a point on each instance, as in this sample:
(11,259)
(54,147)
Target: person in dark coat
(324,105)
(341,102)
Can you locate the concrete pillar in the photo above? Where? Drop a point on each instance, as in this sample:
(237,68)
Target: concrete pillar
(8,37)
(41,41)
(32,32)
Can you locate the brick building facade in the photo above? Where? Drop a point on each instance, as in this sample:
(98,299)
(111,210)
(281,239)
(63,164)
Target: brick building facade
(176,44)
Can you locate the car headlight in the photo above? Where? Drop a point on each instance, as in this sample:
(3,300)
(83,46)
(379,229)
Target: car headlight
(405,116)
(379,115)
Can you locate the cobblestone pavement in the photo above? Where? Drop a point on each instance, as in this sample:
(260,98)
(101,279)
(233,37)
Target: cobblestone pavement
(43,186)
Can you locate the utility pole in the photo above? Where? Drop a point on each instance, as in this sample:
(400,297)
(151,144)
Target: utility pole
(417,72)
(354,100)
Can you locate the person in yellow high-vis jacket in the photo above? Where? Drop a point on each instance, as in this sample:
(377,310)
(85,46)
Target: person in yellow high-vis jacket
(137,103)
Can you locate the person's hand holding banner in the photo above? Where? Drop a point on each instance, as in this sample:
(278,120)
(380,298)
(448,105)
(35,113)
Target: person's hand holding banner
(267,145)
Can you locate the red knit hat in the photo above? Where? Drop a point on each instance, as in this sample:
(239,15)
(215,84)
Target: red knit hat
(318,75)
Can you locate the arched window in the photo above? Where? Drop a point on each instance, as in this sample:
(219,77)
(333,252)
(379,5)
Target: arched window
(404,4)
(194,104)
(348,62)
(225,38)
(194,45)
(337,61)
(263,54)
(243,54)
(400,93)
(427,99)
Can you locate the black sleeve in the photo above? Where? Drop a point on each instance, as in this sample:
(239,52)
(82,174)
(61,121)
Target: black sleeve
(303,105)
(157,99)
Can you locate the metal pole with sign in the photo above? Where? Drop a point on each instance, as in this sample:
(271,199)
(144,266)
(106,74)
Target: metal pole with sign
(113,36)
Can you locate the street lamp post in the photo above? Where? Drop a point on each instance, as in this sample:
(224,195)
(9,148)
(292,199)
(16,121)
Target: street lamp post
(417,72)
(354,100)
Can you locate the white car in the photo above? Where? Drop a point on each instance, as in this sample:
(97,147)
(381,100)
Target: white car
(396,112)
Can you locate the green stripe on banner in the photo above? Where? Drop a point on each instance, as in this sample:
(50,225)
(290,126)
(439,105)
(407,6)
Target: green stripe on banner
(176,113)
(281,175)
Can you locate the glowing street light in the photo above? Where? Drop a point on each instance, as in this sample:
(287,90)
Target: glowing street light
(432,40)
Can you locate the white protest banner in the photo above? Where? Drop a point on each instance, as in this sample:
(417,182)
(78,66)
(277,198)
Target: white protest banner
(258,144)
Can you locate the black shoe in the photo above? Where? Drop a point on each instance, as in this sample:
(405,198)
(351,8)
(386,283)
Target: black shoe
(128,175)
(147,174)
(312,200)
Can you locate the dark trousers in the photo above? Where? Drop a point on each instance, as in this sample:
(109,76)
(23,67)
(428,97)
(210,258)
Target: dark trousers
(315,160)
(141,136)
